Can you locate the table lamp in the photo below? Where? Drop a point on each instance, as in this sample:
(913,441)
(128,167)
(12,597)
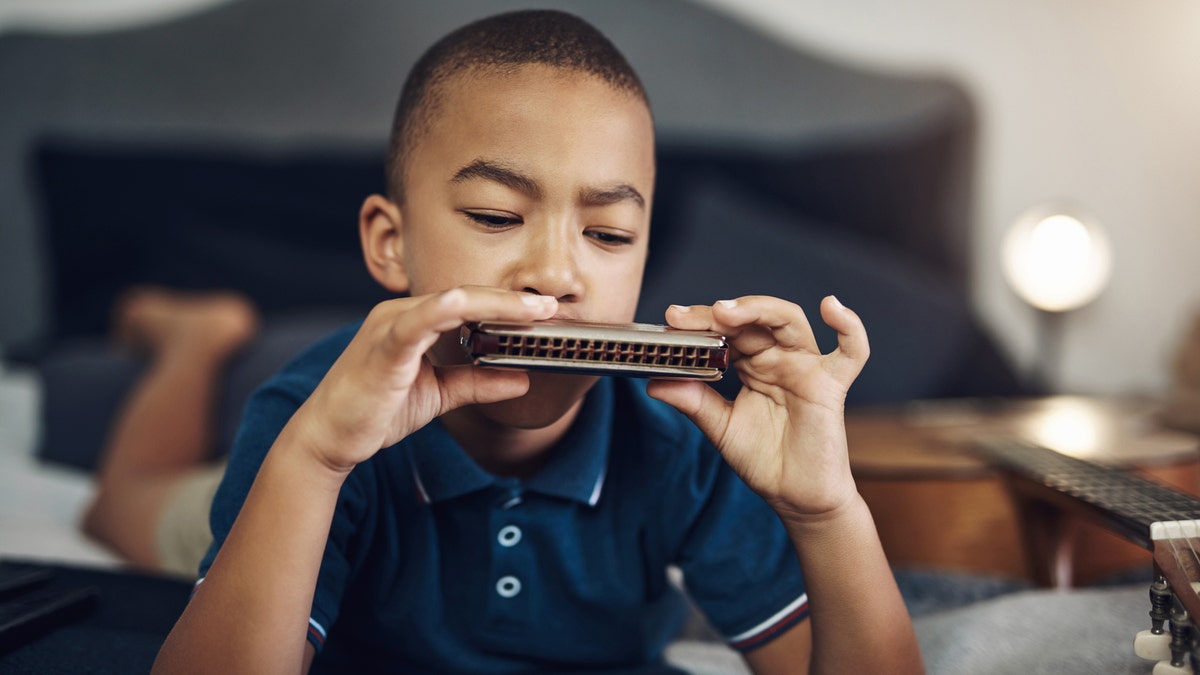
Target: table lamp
(1058,259)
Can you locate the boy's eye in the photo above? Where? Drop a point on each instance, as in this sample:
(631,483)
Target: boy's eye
(493,219)
(610,238)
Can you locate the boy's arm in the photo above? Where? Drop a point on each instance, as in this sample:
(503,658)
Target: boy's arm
(856,609)
(785,436)
(251,612)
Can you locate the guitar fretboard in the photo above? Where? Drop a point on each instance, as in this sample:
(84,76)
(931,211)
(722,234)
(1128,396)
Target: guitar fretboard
(1124,501)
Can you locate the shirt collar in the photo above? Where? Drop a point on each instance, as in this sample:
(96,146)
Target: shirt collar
(574,470)
(577,466)
(441,468)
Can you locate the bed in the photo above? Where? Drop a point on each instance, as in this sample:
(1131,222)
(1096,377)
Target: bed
(41,502)
(232,148)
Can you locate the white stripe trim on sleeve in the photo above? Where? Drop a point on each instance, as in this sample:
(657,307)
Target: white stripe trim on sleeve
(775,618)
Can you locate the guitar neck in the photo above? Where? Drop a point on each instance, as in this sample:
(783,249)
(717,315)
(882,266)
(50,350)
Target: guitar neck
(1150,514)
(1119,499)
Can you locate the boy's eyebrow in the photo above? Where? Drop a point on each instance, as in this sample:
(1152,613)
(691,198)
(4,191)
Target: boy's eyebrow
(509,177)
(498,173)
(612,195)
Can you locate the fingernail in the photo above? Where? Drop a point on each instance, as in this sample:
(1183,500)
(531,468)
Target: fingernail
(681,308)
(537,300)
(727,304)
(451,296)
(836,301)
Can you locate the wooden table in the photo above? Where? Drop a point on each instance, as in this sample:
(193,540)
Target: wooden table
(938,506)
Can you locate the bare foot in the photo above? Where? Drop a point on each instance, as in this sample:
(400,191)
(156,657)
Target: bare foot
(211,324)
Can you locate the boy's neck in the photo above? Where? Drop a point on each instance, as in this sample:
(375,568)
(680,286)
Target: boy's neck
(503,450)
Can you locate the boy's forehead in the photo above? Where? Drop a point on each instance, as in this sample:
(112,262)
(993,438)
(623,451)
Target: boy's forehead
(482,106)
(457,97)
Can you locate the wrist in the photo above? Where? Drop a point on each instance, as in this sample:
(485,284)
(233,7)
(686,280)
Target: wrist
(847,516)
(817,497)
(304,445)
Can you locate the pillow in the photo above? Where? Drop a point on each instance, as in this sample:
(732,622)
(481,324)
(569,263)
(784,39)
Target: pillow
(925,340)
(282,228)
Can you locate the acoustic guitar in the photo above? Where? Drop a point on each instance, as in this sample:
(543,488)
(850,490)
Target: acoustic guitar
(939,505)
(1159,518)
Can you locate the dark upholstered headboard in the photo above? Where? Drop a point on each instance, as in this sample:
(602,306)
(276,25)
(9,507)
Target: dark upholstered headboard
(233,147)
(881,156)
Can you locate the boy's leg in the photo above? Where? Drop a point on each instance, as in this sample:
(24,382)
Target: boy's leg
(164,432)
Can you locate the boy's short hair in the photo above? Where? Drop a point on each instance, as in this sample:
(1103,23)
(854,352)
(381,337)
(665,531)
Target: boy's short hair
(500,43)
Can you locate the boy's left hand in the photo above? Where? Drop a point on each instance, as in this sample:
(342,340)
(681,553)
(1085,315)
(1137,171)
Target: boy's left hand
(784,434)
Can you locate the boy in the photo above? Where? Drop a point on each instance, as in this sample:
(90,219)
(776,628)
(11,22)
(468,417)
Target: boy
(395,507)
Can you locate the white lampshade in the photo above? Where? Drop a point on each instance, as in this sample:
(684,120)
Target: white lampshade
(1057,259)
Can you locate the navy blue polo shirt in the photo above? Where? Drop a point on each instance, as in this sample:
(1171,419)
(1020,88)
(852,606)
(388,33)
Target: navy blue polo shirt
(434,565)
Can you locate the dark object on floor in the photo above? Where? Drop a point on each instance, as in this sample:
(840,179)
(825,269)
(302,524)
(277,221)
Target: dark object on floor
(131,617)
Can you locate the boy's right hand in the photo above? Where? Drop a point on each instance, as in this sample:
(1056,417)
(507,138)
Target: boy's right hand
(384,385)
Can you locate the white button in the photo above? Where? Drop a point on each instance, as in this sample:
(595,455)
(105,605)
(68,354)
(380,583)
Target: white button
(509,535)
(508,586)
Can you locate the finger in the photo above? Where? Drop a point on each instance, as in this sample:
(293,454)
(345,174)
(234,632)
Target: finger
(690,317)
(700,317)
(848,359)
(413,328)
(751,324)
(759,316)
(452,308)
(707,409)
(466,385)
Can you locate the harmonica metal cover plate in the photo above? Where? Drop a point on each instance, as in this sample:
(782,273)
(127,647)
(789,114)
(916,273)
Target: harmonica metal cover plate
(631,350)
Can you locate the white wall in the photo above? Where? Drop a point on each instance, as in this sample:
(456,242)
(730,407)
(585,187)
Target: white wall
(92,15)
(1092,101)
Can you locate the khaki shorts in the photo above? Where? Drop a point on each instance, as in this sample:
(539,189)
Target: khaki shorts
(183,534)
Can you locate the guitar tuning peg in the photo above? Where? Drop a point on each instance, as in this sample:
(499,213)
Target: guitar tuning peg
(1151,646)
(1155,644)
(1160,603)
(1165,668)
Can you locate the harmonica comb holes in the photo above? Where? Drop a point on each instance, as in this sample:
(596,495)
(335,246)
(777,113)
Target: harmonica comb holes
(585,349)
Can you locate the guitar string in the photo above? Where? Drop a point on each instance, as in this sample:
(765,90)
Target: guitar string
(1188,571)
(1183,570)
(1173,541)
(1191,571)
(1175,531)
(1173,538)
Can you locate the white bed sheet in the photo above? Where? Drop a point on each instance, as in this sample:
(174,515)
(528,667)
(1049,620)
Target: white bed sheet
(40,503)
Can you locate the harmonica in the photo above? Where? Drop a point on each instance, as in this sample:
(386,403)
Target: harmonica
(583,347)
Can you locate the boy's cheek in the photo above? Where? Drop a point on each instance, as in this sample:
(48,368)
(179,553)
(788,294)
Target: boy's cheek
(629,283)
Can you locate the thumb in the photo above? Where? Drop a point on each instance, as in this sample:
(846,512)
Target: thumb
(707,409)
(465,385)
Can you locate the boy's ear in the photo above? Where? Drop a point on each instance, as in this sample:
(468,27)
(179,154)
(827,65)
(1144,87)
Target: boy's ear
(381,229)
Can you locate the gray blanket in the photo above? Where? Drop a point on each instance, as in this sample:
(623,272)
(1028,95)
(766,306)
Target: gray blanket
(1084,632)
(1040,632)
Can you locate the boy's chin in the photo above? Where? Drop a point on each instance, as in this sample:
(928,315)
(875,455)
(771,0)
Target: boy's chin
(550,396)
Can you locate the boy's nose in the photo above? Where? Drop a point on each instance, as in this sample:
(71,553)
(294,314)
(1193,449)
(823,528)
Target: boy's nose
(550,268)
